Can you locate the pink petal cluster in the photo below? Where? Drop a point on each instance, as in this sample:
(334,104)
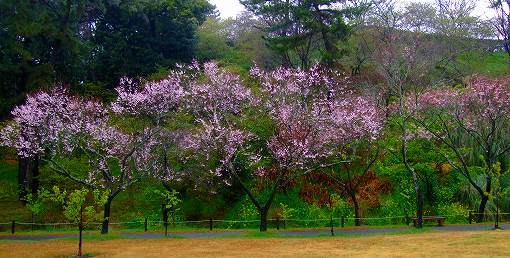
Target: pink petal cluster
(54,125)
(218,94)
(47,121)
(285,84)
(356,117)
(301,137)
(445,98)
(215,139)
(154,99)
(105,144)
(482,100)
(315,113)
(487,97)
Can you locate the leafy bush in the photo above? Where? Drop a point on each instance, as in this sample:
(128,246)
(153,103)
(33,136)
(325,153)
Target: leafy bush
(455,213)
(8,191)
(244,210)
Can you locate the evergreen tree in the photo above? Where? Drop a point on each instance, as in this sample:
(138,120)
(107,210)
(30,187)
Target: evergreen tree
(135,37)
(41,42)
(302,29)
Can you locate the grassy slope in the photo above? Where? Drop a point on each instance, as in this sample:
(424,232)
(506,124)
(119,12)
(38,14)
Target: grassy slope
(124,206)
(10,207)
(495,64)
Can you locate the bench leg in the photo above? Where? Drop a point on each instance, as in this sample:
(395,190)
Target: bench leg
(440,223)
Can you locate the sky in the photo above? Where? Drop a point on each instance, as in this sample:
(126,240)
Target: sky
(231,8)
(228,8)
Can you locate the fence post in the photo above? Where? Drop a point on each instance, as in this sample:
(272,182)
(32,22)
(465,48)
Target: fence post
(284,227)
(210,224)
(342,220)
(13,227)
(406,220)
(145,224)
(277,223)
(470,218)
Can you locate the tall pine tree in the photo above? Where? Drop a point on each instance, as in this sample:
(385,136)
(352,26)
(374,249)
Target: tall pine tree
(302,31)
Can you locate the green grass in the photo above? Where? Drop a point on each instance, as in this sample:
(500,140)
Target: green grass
(494,64)
(10,207)
(8,181)
(245,234)
(8,172)
(250,232)
(116,229)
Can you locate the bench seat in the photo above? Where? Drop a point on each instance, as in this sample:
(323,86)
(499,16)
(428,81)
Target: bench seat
(440,220)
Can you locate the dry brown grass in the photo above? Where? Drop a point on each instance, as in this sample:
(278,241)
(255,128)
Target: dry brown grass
(437,244)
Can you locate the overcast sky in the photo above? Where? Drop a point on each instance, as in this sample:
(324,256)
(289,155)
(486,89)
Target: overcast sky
(231,8)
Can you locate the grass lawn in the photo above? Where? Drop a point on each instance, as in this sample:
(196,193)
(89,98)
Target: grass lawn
(428,244)
(494,64)
(183,229)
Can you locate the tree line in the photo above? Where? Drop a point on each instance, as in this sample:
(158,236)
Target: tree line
(203,124)
(90,44)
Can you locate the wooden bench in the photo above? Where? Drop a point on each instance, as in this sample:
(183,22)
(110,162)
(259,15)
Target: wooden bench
(440,220)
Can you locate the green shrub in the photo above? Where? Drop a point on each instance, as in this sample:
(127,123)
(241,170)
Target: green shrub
(455,213)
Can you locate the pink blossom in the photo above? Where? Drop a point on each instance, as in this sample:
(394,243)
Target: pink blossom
(47,120)
(315,113)
(218,94)
(482,104)
(55,125)
(154,99)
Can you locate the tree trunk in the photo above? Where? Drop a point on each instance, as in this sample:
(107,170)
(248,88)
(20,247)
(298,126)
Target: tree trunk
(496,221)
(481,208)
(429,190)
(80,228)
(22,177)
(28,176)
(419,205)
(173,217)
(357,215)
(263,209)
(263,219)
(80,242)
(106,216)
(34,169)
(164,210)
(484,199)
(331,224)
(329,47)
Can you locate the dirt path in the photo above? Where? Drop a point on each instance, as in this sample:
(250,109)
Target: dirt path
(283,233)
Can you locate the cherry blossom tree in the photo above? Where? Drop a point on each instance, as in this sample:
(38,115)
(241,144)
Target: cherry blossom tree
(349,118)
(317,116)
(311,113)
(63,130)
(153,105)
(351,175)
(215,103)
(207,93)
(475,118)
(403,59)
